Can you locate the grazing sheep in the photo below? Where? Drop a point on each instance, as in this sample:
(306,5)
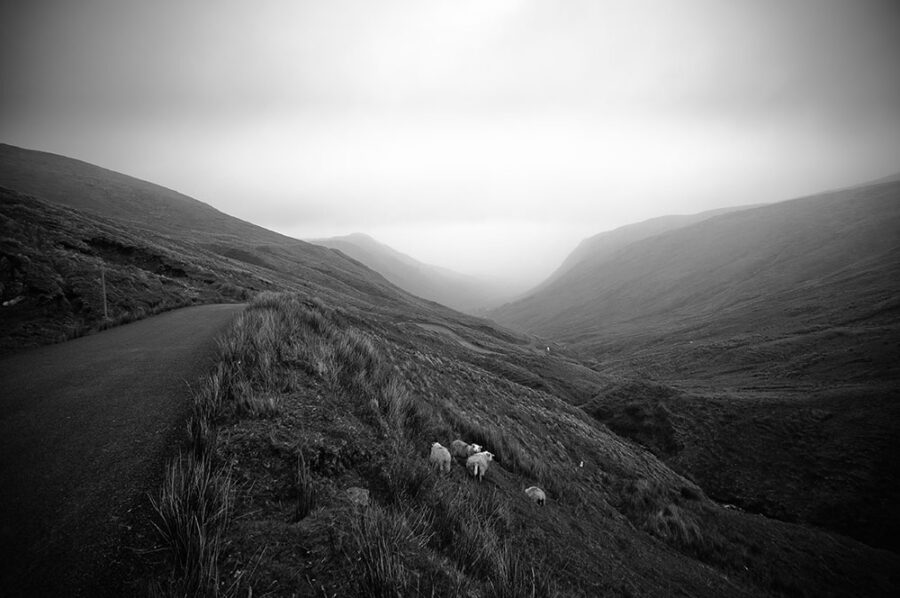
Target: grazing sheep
(478,463)
(440,457)
(536,494)
(463,450)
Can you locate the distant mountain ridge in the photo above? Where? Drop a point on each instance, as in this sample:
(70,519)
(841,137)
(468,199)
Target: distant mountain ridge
(459,291)
(779,271)
(603,245)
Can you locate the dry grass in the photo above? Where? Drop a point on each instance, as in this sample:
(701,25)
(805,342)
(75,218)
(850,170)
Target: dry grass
(190,514)
(387,542)
(306,489)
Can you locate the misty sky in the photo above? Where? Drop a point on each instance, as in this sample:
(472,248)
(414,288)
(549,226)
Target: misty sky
(488,136)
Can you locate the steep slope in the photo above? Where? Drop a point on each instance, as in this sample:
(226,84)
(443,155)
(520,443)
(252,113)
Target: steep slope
(86,187)
(66,221)
(450,288)
(758,352)
(739,291)
(602,246)
(327,416)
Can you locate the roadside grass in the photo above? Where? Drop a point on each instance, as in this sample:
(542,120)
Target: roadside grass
(190,515)
(420,517)
(306,489)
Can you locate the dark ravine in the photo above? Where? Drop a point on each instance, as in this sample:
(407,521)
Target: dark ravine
(85,429)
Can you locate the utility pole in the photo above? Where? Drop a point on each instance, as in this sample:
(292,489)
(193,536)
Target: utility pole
(103,284)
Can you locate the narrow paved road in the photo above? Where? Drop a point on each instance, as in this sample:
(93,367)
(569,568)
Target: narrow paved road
(85,429)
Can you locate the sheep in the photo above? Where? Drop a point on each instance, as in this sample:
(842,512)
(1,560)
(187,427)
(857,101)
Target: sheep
(462,450)
(536,494)
(440,457)
(477,464)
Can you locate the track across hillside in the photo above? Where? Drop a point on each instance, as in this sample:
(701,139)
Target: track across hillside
(85,429)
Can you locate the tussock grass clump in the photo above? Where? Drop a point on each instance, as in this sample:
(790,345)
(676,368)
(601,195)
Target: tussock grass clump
(650,506)
(246,402)
(190,514)
(675,525)
(514,578)
(306,489)
(201,427)
(387,542)
(406,478)
(471,525)
(202,436)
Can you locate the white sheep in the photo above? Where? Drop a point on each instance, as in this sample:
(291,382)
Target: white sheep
(463,450)
(478,463)
(536,494)
(440,457)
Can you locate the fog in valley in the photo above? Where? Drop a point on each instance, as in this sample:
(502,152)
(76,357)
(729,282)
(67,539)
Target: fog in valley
(485,136)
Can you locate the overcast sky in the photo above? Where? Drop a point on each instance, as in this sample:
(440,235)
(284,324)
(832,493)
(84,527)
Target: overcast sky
(488,136)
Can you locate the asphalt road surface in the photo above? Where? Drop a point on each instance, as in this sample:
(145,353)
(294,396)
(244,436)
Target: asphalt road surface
(86,427)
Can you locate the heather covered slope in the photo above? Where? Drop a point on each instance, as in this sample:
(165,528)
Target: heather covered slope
(806,288)
(445,286)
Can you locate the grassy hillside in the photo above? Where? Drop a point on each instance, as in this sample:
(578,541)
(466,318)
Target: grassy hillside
(65,221)
(803,289)
(755,352)
(603,246)
(316,428)
(89,188)
(818,456)
(444,286)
